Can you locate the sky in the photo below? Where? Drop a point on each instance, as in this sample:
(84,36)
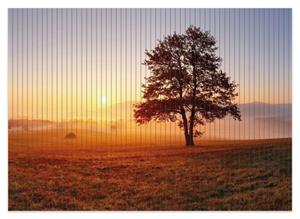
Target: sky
(67,64)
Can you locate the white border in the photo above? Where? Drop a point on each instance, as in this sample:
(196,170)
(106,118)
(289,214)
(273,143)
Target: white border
(146,4)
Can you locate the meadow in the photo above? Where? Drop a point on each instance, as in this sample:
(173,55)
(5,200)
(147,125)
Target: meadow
(48,172)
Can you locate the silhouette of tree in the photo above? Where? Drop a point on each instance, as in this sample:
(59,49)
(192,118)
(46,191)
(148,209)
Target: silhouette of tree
(186,84)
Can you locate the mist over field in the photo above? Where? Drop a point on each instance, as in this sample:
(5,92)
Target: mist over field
(259,121)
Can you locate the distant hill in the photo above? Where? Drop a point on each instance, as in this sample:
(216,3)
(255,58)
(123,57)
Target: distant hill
(266,110)
(25,124)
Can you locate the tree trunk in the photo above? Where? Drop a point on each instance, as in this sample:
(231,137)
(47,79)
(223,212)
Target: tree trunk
(193,111)
(186,132)
(185,125)
(191,128)
(189,141)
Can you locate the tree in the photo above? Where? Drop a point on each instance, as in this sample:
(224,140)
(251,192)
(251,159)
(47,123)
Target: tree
(186,84)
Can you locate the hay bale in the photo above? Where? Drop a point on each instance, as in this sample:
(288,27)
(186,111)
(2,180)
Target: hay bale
(70,135)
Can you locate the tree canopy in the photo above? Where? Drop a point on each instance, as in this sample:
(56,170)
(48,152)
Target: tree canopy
(186,83)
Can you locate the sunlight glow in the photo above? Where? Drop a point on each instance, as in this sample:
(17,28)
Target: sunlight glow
(103,100)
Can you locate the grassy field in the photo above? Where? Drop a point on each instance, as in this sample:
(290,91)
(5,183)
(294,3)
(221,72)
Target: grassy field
(214,175)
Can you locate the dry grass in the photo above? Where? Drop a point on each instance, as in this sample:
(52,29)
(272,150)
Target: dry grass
(228,175)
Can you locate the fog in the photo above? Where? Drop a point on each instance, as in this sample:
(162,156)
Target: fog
(259,121)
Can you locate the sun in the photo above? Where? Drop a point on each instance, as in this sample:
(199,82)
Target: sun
(103,100)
